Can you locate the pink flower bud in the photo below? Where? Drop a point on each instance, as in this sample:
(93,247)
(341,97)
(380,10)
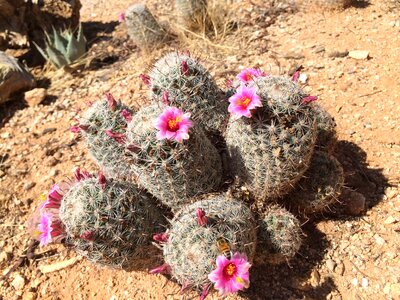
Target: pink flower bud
(296,76)
(75,129)
(102,180)
(78,175)
(201,217)
(165,268)
(111,101)
(145,78)
(309,99)
(126,115)
(89,103)
(165,98)
(185,68)
(88,235)
(161,237)
(133,148)
(121,17)
(205,291)
(120,138)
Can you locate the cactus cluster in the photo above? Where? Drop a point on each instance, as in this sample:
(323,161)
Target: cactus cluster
(143,28)
(180,80)
(271,150)
(63,48)
(192,248)
(111,223)
(172,171)
(278,145)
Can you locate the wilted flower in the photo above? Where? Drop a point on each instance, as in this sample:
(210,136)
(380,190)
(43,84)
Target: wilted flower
(249,74)
(81,175)
(53,199)
(102,180)
(231,275)
(185,67)
(243,102)
(126,115)
(120,138)
(173,124)
(161,237)
(309,99)
(201,217)
(165,98)
(112,104)
(88,235)
(121,17)
(145,78)
(165,268)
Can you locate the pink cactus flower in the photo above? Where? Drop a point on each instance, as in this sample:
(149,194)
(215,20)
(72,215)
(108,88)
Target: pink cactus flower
(296,76)
(201,217)
(88,235)
(165,268)
(309,99)
(53,199)
(185,68)
(165,98)
(126,115)
(120,138)
(161,237)
(173,124)
(231,275)
(121,17)
(75,129)
(112,104)
(145,78)
(49,230)
(249,74)
(243,102)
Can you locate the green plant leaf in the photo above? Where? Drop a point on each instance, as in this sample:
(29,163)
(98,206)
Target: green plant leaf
(56,57)
(60,42)
(41,51)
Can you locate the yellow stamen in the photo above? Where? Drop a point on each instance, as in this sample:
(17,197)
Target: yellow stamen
(230,269)
(248,76)
(242,282)
(42,197)
(173,124)
(245,101)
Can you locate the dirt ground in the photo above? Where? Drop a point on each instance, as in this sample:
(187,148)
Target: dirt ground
(342,257)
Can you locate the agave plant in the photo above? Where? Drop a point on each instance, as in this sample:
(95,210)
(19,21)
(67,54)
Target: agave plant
(63,48)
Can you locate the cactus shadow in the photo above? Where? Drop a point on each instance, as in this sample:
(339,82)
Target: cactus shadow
(9,108)
(292,281)
(360,3)
(359,177)
(98,31)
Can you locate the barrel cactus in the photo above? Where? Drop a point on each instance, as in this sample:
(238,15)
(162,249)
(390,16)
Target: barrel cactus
(180,80)
(271,135)
(103,128)
(279,236)
(143,27)
(326,129)
(193,245)
(192,14)
(172,170)
(111,223)
(320,187)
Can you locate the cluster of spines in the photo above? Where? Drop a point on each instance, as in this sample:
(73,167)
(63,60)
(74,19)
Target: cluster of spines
(172,171)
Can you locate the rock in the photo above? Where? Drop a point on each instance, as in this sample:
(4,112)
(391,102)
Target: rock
(359,54)
(340,269)
(364,282)
(29,185)
(379,240)
(354,203)
(52,161)
(354,281)
(13,77)
(30,296)
(395,289)
(315,278)
(18,283)
(331,265)
(390,220)
(338,53)
(35,96)
(303,78)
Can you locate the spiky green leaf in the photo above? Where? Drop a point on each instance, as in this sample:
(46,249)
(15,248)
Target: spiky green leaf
(56,57)
(41,51)
(60,42)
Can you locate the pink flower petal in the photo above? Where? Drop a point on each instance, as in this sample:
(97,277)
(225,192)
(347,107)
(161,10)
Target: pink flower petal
(173,124)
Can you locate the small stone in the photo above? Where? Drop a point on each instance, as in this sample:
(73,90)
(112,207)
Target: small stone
(354,281)
(338,53)
(379,240)
(387,288)
(35,96)
(30,296)
(331,265)
(390,220)
(364,282)
(395,289)
(18,283)
(51,162)
(303,78)
(29,185)
(359,54)
(315,278)
(340,269)
(5,135)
